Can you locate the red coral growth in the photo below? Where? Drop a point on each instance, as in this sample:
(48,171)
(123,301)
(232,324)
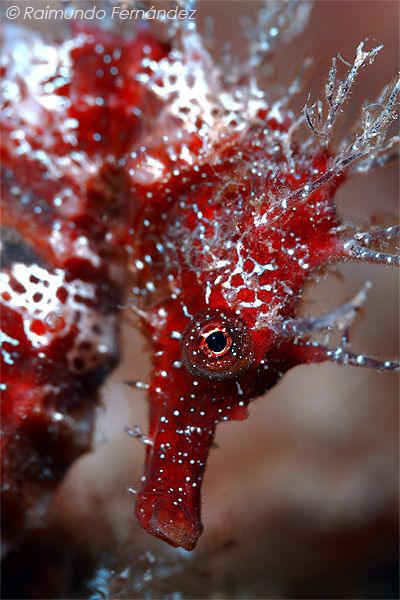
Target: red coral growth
(124,154)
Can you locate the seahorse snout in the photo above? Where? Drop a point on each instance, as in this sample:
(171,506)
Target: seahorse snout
(168,520)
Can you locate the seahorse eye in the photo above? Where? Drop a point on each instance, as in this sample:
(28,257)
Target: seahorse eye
(217,346)
(215,340)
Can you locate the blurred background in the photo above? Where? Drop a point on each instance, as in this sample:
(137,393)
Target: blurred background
(300,500)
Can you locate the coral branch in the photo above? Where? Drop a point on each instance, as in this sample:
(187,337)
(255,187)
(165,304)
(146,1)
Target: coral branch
(388,233)
(355,247)
(337,93)
(367,150)
(276,22)
(372,141)
(341,318)
(138,434)
(138,385)
(313,352)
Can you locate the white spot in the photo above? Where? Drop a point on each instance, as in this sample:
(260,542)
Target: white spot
(139,265)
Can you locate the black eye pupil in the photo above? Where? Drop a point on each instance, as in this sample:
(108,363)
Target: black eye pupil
(216,341)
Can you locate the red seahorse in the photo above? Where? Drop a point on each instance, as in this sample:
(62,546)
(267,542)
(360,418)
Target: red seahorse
(246,218)
(129,156)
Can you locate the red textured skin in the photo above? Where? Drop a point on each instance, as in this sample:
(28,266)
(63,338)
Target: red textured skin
(47,409)
(126,210)
(205,404)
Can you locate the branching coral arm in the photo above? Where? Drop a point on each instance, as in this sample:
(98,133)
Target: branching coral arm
(356,247)
(314,352)
(340,318)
